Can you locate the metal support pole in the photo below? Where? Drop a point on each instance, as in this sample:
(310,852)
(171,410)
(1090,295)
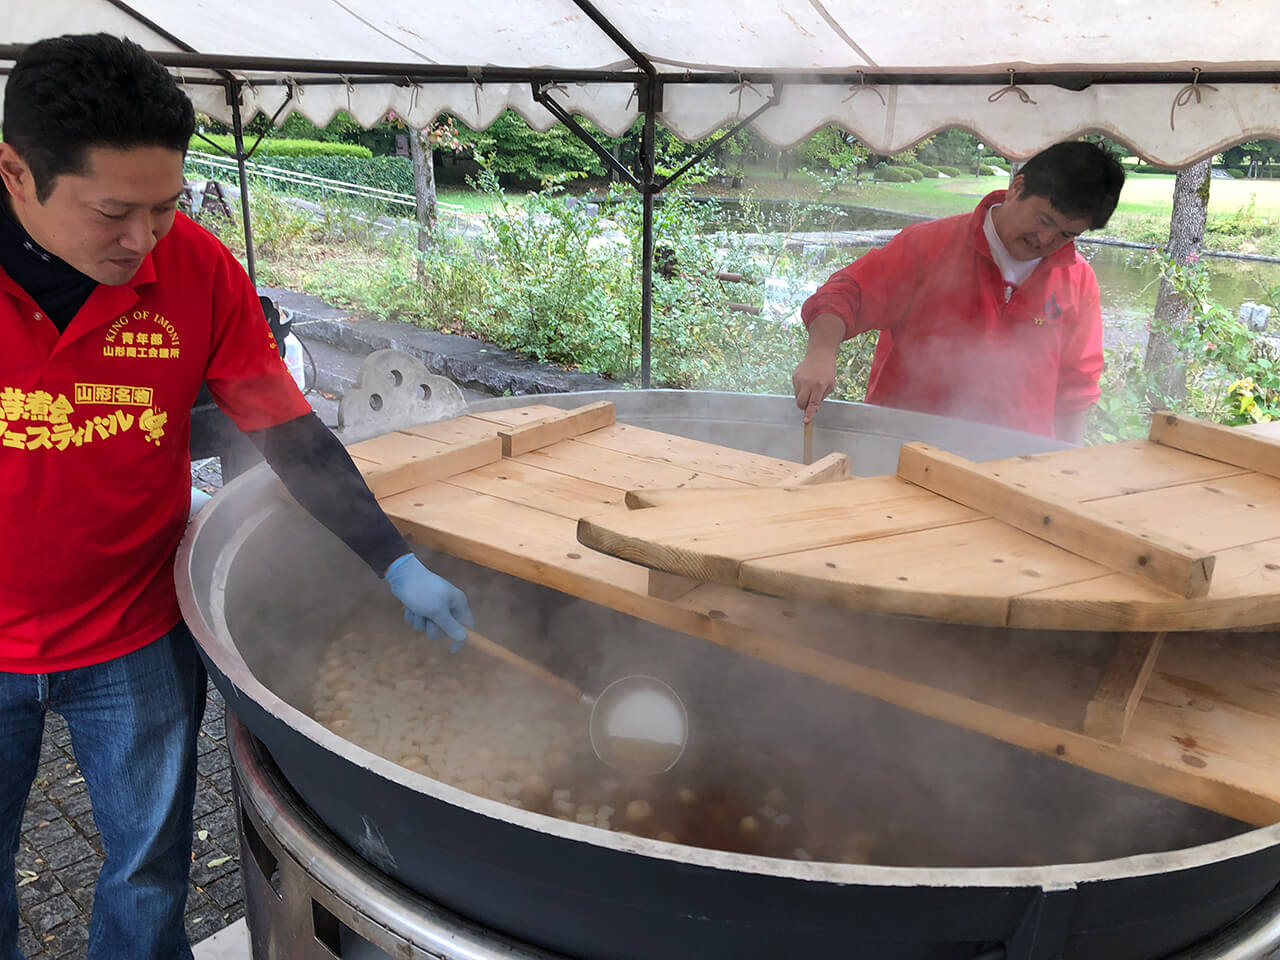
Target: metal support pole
(649,189)
(237,127)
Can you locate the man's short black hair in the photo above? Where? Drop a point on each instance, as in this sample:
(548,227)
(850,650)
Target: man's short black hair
(1082,180)
(68,94)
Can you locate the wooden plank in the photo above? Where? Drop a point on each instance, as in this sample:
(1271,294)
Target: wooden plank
(1252,451)
(1244,790)
(944,573)
(1246,592)
(1180,568)
(516,416)
(575,458)
(544,490)
(808,443)
(458,430)
(1216,514)
(696,456)
(571,423)
(1109,711)
(409,461)
(644,498)
(832,467)
(1108,470)
(1208,672)
(692,542)
(667,586)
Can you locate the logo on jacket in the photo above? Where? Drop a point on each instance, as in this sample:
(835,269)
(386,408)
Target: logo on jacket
(1051,310)
(144,335)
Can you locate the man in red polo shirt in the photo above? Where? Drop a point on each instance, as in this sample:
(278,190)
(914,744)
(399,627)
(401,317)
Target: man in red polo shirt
(989,316)
(114,308)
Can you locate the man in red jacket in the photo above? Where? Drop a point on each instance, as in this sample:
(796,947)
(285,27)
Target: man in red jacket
(114,308)
(989,316)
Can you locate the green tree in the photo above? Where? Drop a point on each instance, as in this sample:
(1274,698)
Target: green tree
(512,148)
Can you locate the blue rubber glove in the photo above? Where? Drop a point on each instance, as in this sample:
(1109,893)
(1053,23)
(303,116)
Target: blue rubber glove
(431,603)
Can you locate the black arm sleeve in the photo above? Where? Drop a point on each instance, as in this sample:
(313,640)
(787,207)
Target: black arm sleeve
(316,469)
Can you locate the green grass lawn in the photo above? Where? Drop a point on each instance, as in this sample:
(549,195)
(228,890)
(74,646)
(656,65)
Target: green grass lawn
(471,201)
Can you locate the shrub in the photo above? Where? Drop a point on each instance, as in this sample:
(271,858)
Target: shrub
(949,171)
(1236,173)
(272,147)
(385,173)
(928,171)
(987,171)
(997,163)
(893,175)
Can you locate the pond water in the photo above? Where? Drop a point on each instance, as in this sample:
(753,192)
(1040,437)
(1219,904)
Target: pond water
(1127,276)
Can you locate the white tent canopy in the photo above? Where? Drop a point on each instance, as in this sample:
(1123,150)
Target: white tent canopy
(889,72)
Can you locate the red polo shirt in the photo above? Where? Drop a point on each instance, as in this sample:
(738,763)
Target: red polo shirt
(950,342)
(94,428)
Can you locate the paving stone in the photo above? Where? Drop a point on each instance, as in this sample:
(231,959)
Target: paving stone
(221,824)
(215,728)
(68,852)
(207,800)
(50,751)
(45,885)
(83,896)
(204,922)
(205,745)
(222,782)
(202,875)
(64,789)
(28,942)
(47,916)
(39,809)
(227,891)
(76,804)
(46,833)
(215,761)
(71,940)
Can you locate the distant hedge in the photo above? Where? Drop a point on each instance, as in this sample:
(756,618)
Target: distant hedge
(949,171)
(895,174)
(927,170)
(281,147)
(385,173)
(1236,173)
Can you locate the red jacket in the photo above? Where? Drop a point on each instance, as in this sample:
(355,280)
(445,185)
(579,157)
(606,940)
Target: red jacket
(951,345)
(94,428)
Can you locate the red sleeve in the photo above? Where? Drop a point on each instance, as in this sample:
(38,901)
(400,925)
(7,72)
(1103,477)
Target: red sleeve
(868,294)
(1082,360)
(246,373)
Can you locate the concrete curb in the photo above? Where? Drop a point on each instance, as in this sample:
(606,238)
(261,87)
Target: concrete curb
(470,363)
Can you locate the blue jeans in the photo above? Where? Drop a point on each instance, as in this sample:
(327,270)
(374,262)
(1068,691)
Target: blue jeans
(133,723)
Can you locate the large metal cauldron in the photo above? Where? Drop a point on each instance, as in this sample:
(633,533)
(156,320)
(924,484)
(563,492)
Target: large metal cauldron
(260,583)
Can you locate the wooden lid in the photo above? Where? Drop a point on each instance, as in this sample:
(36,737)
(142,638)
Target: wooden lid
(1178,532)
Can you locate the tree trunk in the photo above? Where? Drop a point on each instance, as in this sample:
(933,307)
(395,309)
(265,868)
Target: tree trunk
(424,188)
(1186,236)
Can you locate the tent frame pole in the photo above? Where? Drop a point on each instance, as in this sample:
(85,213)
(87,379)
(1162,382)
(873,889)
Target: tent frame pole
(237,130)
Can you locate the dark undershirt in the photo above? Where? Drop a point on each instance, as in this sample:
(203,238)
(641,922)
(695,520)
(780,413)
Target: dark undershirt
(309,460)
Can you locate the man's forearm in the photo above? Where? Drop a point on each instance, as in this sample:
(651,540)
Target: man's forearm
(826,333)
(317,470)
